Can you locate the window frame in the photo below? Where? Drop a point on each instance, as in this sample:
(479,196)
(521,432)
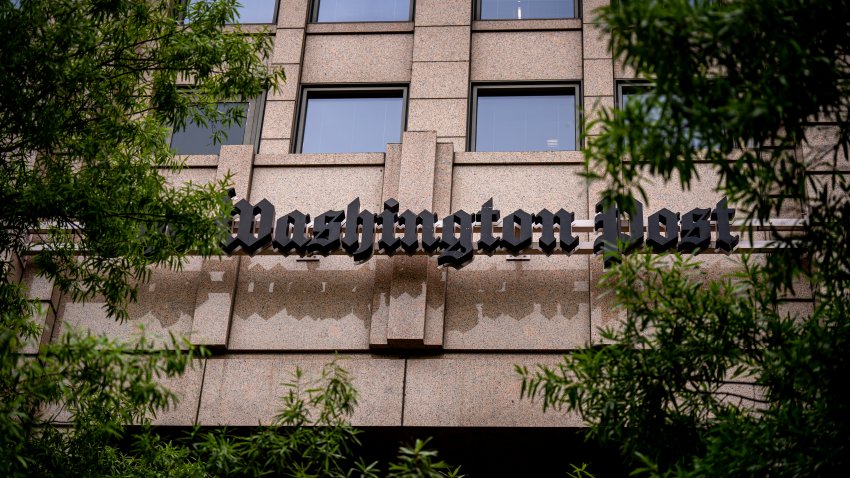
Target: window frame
(253,124)
(313,16)
(476,15)
(648,85)
(347,91)
(182,19)
(528,89)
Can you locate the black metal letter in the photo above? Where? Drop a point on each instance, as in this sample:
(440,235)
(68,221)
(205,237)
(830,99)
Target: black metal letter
(457,250)
(608,221)
(326,229)
(487,216)
(410,240)
(387,219)
(245,237)
(510,240)
(360,250)
(284,240)
(696,230)
(662,242)
(722,215)
(547,220)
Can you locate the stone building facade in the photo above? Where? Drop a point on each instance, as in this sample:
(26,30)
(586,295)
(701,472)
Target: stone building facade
(427,346)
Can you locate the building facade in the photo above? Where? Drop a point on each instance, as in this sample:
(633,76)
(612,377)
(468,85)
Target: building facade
(467,101)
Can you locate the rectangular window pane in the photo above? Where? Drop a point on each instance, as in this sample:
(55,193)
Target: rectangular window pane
(526,9)
(253,11)
(198,139)
(526,123)
(363,11)
(352,124)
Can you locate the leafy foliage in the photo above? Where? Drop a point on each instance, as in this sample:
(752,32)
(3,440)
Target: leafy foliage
(718,377)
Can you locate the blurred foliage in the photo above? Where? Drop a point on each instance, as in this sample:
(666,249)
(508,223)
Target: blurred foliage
(706,377)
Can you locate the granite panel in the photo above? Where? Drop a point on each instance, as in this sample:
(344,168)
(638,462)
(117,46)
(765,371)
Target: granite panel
(820,150)
(289,89)
(595,42)
(593,107)
(46,319)
(286,304)
(408,292)
(214,302)
(458,142)
(236,161)
(475,390)
(197,176)
(357,58)
(276,148)
(440,80)
(441,44)
(320,159)
(527,24)
(245,391)
(38,286)
(519,157)
(446,117)
(165,305)
(416,175)
(598,78)
(443,12)
(277,123)
(288,43)
(292,13)
(187,387)
(589,9)
(539,55)
(315,190)
(359,27)
(623,72)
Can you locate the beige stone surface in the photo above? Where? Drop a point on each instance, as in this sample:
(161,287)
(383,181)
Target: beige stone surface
(820,152)
(458,142)
(540,304)
(443,12)
(357,58)
(316,190)
(320,159)
(530,188)
(416,174)
(235,161)
(598,78)
(214,301)
(195,175)
(623,72)
(519,157)
(446,117)
(595,42)
(360,27)
(277,123)
(39,287)
(441,44)
(285,304)
(510,56)
(589,9)
(165,305)
(593,107)
(527,24)
(278,149)
(475,390)
(200,160)
(408,292)
(246,390)
(188,390)
(381,301)
(435,304)
(46,319)
(440,80)
(292,13)
(289,89)
(288,43)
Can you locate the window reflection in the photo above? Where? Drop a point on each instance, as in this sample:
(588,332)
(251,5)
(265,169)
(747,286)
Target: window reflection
(253,11)
(525,122)
(330,11)
(352,124)
(526,9)
(198,139)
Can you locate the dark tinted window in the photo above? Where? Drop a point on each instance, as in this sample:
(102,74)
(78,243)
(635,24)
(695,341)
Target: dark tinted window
(525,122)
(254,11)
(198,139)
(526,9)
(356,123)
(363,11)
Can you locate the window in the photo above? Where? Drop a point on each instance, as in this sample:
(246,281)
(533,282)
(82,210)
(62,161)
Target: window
(524,118)
(335,11)
(253,11)
(198,139)
(350,120)
(526,9)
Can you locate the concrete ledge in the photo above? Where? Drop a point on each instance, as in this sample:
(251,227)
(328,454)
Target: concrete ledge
(357,27)
(526,25)
(313,159)
(520,157)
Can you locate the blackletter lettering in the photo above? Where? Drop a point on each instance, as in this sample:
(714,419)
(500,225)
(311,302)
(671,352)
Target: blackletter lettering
(389,243)
(360,249)
(410,240)
(326,231)
(457,250)
(245,236)
(723,215)
(662,242)
(512,241)
(608,221)
(487,216)
(284,240)
(696,230)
